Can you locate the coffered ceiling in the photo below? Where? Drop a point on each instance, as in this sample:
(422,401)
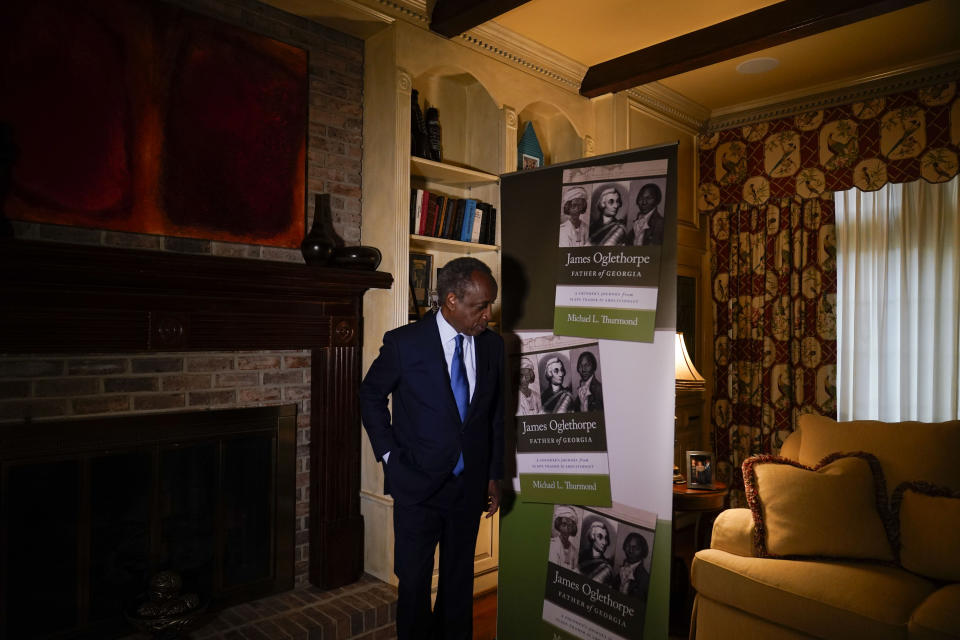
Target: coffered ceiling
(920,35)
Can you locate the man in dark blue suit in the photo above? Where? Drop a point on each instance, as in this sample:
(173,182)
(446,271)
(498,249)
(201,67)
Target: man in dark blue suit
(443,449)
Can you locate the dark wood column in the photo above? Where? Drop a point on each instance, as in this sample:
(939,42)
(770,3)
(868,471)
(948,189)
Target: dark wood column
(60,298)
(336,526)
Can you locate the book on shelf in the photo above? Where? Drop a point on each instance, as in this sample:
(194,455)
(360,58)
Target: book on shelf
(477,222)
(468,212)
(492,229)
(433,204)
(416,199)
(480,219)
(441,216)
(413,210)
(424,212)
(437,224)
(484,222)
(455,229)
(441,212)
(449,211)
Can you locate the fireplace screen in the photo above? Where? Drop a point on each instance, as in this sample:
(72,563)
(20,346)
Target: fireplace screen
(92,508)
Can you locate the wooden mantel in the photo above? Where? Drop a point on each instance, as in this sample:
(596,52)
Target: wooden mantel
(60,298)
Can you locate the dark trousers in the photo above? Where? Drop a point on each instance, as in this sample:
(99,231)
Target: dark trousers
(441,519)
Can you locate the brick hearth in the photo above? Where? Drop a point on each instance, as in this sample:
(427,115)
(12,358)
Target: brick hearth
(364,610)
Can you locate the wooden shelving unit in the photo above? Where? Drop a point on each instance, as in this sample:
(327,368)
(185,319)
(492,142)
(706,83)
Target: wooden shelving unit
(442,173)
(427,243)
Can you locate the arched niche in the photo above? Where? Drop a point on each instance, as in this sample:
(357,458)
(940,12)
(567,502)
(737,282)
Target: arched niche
(558,138)
(469,117)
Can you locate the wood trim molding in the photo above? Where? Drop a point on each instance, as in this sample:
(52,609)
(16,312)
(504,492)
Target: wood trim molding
(522,53)
(498,42)
(674,107)
(410,10)
(76,298)
(344,332)
(854,90)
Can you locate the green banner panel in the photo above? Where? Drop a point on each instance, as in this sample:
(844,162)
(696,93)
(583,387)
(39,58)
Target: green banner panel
(613,324)
(587,489)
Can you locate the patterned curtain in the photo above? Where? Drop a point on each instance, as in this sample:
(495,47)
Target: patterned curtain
(769,190)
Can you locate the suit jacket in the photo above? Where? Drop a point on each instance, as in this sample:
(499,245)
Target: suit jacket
(425,435)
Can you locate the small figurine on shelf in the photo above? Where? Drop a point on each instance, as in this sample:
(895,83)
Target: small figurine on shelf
(529,153)
(419,142)
(434,134)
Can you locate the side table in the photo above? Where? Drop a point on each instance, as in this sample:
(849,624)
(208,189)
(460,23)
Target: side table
(707,502)
(705,505)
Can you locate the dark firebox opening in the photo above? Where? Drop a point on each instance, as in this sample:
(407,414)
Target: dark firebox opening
(90,509)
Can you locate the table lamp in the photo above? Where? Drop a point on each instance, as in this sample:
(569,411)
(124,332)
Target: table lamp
(687,379)
(686,375)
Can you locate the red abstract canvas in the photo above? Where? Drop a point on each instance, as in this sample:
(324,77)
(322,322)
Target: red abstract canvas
(134,115)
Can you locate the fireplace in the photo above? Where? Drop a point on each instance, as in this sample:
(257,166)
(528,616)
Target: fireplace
(93,507)
(81,300)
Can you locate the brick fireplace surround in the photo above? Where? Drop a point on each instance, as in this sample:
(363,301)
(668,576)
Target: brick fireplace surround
(202,330)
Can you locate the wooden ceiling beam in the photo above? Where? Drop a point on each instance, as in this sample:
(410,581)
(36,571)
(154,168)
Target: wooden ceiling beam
(450,18)
(767,27)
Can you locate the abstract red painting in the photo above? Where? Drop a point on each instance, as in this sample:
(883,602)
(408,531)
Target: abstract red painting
(134,115)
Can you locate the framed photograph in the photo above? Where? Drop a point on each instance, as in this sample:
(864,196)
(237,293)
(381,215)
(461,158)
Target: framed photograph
(700,470)
(421,272)
(530,162)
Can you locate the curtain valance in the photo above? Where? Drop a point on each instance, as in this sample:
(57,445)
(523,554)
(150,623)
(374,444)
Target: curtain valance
(896,138)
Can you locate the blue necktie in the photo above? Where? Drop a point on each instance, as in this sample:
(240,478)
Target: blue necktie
(461,390)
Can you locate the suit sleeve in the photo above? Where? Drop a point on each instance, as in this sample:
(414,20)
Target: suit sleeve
(381,380)
(496,427)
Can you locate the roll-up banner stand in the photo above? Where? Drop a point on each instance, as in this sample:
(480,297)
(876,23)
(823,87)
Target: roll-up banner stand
(589,268)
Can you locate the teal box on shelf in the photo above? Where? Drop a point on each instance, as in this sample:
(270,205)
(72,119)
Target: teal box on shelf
(529,153)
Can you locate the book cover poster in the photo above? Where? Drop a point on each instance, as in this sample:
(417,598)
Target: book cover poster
(561,428)
(598,572)
(610,239)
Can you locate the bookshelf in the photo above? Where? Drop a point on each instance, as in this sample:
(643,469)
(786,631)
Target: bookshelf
(454,182)
(471,121)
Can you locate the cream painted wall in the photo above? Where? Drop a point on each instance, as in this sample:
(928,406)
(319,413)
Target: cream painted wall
(648,128)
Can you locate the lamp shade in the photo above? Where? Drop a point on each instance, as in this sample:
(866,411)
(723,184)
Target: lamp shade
(687,376)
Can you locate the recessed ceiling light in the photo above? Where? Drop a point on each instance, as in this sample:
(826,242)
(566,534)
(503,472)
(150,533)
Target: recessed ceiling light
(758,65)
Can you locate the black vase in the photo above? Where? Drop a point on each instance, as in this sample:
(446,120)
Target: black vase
(434,134)
(318,245)
(359,257)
